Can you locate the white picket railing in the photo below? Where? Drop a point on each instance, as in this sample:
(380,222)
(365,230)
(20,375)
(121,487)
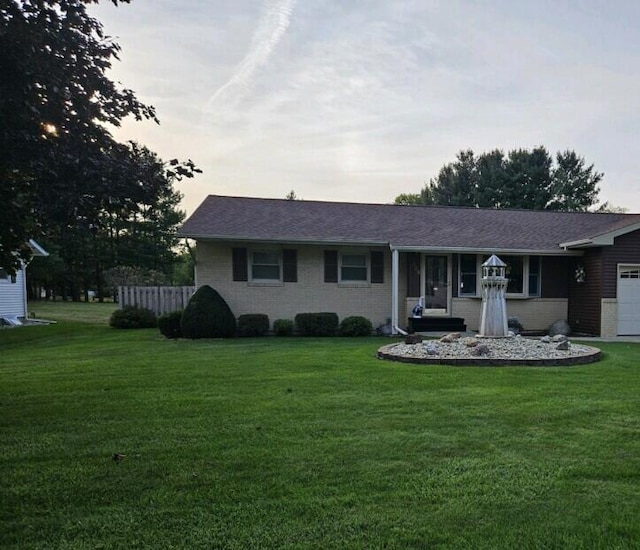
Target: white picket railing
(159,299)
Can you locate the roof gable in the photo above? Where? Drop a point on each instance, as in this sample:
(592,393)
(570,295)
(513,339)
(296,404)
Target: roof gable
(398,226)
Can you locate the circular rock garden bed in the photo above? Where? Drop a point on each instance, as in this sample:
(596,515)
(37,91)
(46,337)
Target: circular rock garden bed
(453,349)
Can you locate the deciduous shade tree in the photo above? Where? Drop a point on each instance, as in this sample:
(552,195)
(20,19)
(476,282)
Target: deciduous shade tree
(95,202)
(522,178)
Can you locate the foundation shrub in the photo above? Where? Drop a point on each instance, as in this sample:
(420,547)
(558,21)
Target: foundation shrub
(253,324)
(133,317)
(356,325)
(283,327)
(207,315)
(169,324)
(317,324)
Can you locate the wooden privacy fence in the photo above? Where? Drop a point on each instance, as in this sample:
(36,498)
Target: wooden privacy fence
(159,299)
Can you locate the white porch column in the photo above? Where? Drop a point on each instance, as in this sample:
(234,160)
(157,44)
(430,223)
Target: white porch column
(395,289)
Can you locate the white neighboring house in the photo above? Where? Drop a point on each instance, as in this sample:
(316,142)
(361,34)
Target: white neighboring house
(13,290)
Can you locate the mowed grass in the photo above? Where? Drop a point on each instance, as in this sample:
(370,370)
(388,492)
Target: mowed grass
(308,443)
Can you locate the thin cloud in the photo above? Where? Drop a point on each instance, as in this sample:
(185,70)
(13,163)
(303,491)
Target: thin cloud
(274,21)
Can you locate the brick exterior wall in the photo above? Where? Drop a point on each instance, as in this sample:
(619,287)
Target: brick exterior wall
(309,294)
(609,318)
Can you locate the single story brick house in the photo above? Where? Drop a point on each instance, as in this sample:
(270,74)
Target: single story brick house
(284,257)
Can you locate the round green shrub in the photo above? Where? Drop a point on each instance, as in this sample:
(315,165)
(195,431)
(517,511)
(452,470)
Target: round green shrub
(283,327)
(356,326)
(207,315)
(169,324)
(253,324)
(133,317)
(317,324)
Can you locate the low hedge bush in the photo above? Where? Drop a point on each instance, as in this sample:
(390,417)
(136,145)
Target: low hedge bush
(169,324)
(317,324)
(253,324)
(356,326)
(133,317)
(283,327)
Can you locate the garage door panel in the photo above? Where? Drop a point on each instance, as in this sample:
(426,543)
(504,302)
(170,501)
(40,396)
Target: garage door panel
(628,300)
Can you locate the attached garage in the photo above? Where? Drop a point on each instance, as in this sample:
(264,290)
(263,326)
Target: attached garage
(628,300)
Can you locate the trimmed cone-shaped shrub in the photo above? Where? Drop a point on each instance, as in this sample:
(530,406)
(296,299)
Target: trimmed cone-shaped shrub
(207,315)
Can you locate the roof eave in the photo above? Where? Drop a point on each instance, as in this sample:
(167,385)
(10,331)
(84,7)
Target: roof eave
(281,240)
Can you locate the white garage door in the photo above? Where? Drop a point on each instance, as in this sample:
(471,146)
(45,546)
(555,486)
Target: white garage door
(628,300)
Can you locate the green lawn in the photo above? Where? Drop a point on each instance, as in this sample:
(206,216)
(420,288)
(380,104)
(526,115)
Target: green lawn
(307,443)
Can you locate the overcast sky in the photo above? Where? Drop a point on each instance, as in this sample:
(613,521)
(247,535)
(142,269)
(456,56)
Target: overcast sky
(362,100)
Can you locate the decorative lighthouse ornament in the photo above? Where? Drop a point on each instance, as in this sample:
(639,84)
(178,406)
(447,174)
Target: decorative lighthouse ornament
(493,320)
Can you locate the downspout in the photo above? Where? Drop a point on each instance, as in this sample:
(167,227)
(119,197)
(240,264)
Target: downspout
(395,291)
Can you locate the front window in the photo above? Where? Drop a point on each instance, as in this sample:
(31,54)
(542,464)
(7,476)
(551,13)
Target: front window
(523,273)
(265,266)
(4,276)
(353,268)
(468,275)
(515,274)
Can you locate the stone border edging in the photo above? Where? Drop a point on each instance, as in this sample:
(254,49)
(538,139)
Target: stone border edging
(594,355)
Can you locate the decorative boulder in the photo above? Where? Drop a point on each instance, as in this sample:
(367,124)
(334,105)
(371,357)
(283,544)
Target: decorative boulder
(413,339)
(559,327)
(451,337)
(563,346)
(559,338)
(431,348)
(546,339)
(481,350)
(470,342)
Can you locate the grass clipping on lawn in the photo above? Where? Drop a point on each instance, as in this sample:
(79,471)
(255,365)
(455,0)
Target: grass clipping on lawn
(308,443)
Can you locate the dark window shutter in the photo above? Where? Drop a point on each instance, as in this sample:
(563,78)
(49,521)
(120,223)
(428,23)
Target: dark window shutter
(290,266)
(413,275)
(377,267)
(330,266)
(240,268)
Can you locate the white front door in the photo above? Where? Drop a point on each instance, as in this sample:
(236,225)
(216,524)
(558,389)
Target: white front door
(628,300)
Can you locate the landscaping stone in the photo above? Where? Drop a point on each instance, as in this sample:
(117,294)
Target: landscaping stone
(500,350)
(451,337)
(480,350)
(563,346)
(431,348)
(559,338)
(546,339)
(559,327)
(413,339)
(470,341)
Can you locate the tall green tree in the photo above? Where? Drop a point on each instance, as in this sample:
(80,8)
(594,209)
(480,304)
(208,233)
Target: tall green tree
(522,178)
(55,100)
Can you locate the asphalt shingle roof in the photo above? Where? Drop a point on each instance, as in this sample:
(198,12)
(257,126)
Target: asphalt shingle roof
(255,219)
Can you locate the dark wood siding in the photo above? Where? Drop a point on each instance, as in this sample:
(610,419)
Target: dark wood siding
(626,250)
(585,299)
(555,273)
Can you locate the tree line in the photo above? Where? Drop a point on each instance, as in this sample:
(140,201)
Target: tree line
(94,203)
(521,178)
